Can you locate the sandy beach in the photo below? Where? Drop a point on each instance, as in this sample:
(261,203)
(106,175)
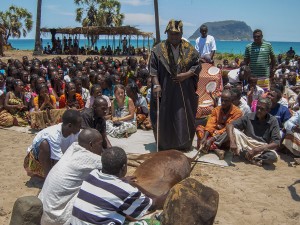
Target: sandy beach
(248,194)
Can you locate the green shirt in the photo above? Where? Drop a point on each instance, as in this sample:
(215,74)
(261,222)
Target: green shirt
(259,57)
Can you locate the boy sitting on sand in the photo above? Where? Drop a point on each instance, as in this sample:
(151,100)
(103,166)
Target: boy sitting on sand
(106,198)
(49,144)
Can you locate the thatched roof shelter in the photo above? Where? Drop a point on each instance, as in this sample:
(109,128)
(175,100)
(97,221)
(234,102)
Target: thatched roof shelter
(94,30)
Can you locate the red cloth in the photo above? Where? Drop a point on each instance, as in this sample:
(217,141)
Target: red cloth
(204,109)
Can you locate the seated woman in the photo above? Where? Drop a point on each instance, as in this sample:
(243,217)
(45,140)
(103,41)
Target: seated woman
(96,91)
(140,103)
(58,85)
(123,120)
(85,93)
(71,100)
(15,112)
(45,113)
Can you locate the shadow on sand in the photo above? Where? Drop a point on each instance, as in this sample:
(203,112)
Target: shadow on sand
(293,191)
(35,182)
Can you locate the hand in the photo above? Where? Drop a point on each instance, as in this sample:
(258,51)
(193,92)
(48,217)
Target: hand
(208,144)
(234,149)
(254,151)
(180,77)
(129,179)
(115,119)
(47,98)
(251,91)
(157,91)
(203,142)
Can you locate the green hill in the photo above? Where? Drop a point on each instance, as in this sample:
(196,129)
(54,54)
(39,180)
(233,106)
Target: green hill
(227,30)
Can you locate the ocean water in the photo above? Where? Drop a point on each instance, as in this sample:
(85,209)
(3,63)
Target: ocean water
(236,47)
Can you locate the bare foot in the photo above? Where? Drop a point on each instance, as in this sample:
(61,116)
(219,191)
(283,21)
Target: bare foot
(220,153)
(257,162)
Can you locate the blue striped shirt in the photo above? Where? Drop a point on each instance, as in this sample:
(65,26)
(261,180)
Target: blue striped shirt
(105,199)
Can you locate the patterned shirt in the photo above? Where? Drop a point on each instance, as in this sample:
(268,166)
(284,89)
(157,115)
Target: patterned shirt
(106,199)
(259,56)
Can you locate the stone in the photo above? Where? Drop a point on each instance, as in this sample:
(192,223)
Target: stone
(190,202)
(27,210)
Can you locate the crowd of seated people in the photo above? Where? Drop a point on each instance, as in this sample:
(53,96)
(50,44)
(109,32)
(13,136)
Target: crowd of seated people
(102,95)
(242,100)
(71,47)
(36,93)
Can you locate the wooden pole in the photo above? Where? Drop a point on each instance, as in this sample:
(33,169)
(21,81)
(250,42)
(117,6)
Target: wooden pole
(37,46)
(156,21)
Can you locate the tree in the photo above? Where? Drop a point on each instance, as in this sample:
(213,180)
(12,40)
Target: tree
(104,13)
(99,13)
(2,32)
(37,47)
(17,21)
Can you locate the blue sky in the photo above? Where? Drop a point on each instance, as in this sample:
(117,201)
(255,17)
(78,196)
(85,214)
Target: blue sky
(277,19)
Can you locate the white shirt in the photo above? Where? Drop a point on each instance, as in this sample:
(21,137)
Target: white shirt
(58,144)
(244,107)
(256,93)
(63,183)
(284,102)
(205,45)
(292,122)
(279,72)
(233,76)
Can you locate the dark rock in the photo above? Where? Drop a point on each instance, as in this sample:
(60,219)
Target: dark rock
(27,210)
(227,30)
(190,202)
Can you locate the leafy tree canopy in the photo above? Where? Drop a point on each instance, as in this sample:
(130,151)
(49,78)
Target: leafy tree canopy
(99,12)
(17,21)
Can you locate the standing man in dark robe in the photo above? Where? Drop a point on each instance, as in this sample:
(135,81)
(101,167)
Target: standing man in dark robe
(174,69)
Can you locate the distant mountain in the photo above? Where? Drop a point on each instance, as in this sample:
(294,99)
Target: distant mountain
(227,30)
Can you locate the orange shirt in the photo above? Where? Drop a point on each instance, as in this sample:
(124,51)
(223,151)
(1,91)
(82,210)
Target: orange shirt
(218,117)
(36,101)
(63,101)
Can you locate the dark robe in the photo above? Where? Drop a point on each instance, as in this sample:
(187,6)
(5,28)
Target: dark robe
(179,101)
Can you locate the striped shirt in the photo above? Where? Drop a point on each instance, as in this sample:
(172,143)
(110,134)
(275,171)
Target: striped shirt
(106,199)
(259,56)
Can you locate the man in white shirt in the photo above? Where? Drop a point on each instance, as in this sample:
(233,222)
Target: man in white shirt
(206,45)
(283,71)
(238,101)
(50,144)
(65,178)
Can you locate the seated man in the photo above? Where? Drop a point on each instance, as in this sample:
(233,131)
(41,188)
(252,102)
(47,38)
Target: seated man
(49,144)
(212,136)
(292,138)
(94,118)
(238,101)
(253,91)
(65,178)
(281,112)
(256,134)
(104,198)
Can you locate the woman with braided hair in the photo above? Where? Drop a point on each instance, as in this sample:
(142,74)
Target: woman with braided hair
(15,112)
